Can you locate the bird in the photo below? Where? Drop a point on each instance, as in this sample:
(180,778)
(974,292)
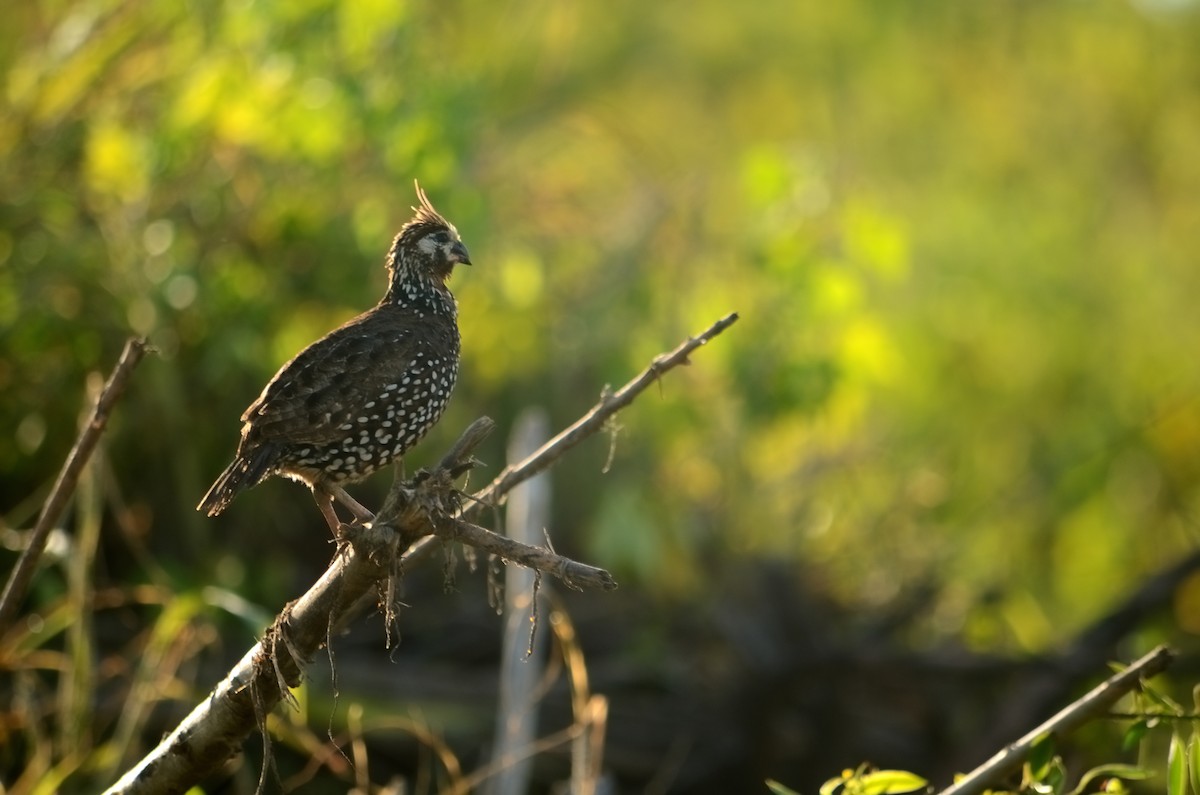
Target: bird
(365,393)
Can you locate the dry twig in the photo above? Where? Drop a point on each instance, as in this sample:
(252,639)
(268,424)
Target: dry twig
(428,504)
(1094,704)
(68,477)
(587,425)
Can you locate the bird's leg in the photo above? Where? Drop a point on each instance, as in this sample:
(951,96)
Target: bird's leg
(361,513)
(324,500)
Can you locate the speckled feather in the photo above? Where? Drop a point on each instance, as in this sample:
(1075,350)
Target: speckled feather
(365,393)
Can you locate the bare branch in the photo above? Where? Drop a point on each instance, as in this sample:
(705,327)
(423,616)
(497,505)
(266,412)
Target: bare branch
(1094,704)
(587,425)
(215,729)
(594,420)
(576,575)
(426,505)
(68,477)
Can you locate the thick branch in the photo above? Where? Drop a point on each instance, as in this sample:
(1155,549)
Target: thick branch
(68,477)
(424,510)
(215,729)
(1094,704)
(217,726)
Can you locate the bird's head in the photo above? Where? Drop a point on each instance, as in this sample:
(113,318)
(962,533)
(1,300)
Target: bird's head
(427,248)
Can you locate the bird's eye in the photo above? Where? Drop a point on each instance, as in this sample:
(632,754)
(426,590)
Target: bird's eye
(440,237)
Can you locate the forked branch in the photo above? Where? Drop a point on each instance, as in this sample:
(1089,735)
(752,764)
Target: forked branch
(586,426)
(216,728)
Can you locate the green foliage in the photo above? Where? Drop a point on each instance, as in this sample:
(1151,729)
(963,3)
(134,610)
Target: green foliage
(1113,776)
(1042,774)
(1193,761)
(1155,709)
(960,354)
(865,781)
(961,237)
(1177,766)
(1043,765)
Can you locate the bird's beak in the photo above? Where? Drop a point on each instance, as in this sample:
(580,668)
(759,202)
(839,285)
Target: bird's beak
(458,253)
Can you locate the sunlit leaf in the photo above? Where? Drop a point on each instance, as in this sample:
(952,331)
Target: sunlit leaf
(118,161)
(889,782)
(832,785)
(1193,762)
(1177,766)
(1117,771)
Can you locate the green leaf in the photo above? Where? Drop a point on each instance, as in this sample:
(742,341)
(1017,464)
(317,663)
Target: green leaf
(1194,762)
(1126,772)
(1134,734)
(1171,706)
(833,785)
(1177,767)
(1041,755)
(889,782)
(1056,776)
(779,789)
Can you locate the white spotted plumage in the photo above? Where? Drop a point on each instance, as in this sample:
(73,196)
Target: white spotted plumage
(365,393)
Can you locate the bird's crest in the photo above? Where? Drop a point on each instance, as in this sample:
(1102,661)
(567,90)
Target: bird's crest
(427,219)
(426,213)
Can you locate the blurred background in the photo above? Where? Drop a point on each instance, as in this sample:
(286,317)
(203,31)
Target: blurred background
(947,457)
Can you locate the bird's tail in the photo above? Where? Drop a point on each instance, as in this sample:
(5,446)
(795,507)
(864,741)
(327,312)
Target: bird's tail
(240,475)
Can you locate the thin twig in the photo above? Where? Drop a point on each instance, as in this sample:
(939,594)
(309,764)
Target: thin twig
(574,574)
(594,420)
(1092,705)
(68,477)
(587,425)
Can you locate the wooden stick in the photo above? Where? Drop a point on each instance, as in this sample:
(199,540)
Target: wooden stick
(581,429)
(594,420)
(217,726)
(1092,705)
(22,575)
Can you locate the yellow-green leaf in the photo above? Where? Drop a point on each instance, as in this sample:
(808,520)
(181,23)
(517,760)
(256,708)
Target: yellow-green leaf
(889,782)
(832,785)
(1116,771)
(1177,767)
(1194,762)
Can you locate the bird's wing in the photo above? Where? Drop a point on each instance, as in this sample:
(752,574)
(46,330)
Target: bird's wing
(329,384)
